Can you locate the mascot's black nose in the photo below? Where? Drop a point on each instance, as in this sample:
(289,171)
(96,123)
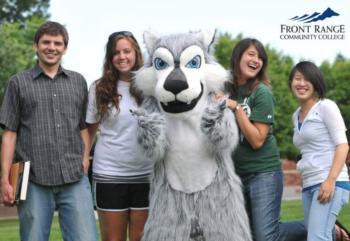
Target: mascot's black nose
(176,81)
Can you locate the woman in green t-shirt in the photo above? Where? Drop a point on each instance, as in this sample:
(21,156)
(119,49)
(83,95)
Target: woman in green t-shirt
(256,158)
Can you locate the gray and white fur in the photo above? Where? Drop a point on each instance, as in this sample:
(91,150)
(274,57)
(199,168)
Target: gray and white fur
(195,194)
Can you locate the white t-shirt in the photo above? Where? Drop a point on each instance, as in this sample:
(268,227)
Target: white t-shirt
(321,131)
(117,152)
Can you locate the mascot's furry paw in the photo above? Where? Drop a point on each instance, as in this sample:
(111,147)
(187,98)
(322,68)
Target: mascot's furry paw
(212,115)
(151,133)
(218,124)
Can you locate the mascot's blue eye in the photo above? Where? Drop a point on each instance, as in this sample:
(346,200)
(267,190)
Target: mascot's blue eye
(194,63)
(160,64)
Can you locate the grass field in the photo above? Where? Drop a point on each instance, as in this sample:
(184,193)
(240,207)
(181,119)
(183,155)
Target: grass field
(9,230)
(291,210)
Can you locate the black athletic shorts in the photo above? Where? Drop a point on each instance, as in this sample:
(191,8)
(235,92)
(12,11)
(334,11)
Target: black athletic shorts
(121,196)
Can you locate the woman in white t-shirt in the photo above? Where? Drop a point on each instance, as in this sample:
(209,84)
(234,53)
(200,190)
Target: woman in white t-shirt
(320,135)
(120,171)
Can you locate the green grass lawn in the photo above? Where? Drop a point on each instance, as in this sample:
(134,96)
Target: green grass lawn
(291,210)
(9,230)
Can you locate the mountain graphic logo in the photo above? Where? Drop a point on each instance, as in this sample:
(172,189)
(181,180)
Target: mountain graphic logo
(309,18)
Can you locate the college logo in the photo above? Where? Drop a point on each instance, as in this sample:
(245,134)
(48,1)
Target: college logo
(309,27)
(307,18)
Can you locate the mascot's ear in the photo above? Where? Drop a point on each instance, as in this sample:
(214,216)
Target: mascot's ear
(208,38)
(150,38)
(145,80)
(215,76)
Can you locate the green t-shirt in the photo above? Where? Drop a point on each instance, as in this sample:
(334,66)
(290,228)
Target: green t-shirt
(259,107)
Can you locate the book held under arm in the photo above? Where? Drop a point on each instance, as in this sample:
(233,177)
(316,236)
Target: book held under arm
(19,178)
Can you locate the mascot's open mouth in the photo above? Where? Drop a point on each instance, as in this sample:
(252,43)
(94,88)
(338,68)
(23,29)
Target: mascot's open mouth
(179,107)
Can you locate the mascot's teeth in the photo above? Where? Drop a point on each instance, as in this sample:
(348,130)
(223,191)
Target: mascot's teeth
(189,102)
(165,103)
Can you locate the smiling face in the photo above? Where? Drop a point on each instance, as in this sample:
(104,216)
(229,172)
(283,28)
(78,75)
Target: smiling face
(124,58)
(250,64)
(302,88)
(50,49)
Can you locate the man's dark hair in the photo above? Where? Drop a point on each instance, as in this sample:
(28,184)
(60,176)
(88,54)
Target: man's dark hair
(51,28)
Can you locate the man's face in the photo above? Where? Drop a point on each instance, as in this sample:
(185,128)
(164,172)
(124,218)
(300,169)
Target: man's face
(50,49)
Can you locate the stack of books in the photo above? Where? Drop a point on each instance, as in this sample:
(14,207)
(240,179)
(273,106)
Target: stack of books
(19,177)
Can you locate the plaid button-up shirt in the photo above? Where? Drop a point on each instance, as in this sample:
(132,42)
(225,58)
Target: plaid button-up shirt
(47,115)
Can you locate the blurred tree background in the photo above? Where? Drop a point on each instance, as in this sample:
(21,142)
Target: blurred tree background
(19,11)
(337,76)
(19,20)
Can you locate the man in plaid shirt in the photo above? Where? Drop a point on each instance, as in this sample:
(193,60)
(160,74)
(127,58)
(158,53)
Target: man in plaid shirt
(43,117)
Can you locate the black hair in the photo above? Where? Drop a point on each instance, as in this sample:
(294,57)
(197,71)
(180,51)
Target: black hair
(312,74)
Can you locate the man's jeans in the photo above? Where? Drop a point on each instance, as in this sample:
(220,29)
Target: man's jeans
(320,218)
(263,195)
(75,209)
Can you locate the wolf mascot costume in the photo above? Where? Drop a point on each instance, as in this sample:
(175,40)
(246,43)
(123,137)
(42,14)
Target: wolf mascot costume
(195,193)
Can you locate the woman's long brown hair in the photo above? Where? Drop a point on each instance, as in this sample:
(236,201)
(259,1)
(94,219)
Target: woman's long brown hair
(236,56)
(107,95)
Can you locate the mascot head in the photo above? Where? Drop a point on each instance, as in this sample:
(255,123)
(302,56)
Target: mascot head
(180,70)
